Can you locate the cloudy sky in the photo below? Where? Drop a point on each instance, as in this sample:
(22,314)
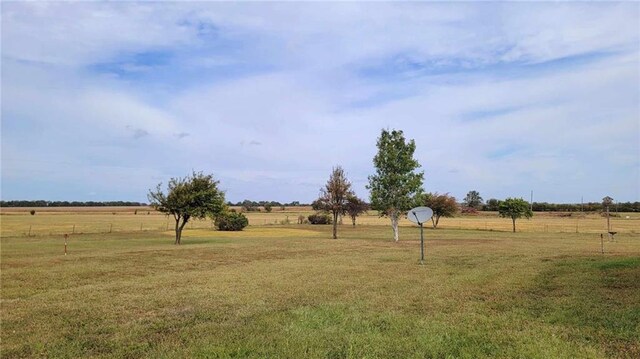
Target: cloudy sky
(102,101)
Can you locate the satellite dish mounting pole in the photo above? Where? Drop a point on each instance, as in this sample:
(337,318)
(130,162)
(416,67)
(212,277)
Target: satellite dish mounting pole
(419,215)
(421,246)
(421,239)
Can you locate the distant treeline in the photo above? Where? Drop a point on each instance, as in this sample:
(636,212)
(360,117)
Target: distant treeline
(41,203)
(253,204)
(492,205)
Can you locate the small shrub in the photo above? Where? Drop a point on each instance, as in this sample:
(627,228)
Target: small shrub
(33,212)
(231,222)
(268,208)
(319,218)
(135,212)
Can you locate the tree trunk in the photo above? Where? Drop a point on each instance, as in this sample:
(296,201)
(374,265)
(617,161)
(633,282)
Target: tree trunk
(335,225)
(353,220)
(179,234)
(435,225)
(178,231)
(514,225)
(179,228)
(394,225)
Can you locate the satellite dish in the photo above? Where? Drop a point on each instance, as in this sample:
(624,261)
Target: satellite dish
(419,215)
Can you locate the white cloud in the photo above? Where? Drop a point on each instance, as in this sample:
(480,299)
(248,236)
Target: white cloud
(532,95)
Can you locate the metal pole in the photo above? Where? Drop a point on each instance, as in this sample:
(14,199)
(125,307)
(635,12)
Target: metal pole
(531,201)
(421,245)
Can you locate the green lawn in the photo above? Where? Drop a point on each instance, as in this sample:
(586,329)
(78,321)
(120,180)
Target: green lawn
(292,292)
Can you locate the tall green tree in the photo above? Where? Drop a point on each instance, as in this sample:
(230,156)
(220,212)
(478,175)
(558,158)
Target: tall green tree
(196,196)
(396,181)
(514,208)
(334,196)
(442,205)
(473,199)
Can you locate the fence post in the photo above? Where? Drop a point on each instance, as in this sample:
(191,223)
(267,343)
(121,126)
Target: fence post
(29,235)
(74,229)
(110,227)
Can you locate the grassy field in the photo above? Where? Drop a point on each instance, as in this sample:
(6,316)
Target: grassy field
(57,221)
(289,291)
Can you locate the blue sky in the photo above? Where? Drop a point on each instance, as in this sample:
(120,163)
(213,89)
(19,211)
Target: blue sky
(102,101)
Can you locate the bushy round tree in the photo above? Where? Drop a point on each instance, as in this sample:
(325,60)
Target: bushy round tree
(196,196)
(443,205)
(515,208)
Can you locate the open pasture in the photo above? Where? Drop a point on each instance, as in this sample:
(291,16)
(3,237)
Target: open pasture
(291,292)
(52,221)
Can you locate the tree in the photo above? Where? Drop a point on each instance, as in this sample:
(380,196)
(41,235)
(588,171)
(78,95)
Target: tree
(473,200)
(492,205)
(195,196)
(442,205)
(355,207)
(334,195)
(396,182)
(514,208)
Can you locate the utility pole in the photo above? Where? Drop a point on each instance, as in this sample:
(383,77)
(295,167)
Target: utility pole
(606,203)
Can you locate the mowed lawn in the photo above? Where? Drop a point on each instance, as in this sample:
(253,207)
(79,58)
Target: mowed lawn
(292,292)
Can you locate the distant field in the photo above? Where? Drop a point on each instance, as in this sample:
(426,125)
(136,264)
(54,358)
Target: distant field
(291,292)
(60,220)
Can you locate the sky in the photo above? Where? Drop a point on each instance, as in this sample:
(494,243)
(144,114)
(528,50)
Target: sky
(103,101)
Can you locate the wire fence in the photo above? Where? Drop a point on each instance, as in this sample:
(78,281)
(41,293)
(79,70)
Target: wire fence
(59,224)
